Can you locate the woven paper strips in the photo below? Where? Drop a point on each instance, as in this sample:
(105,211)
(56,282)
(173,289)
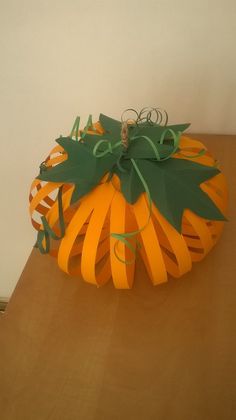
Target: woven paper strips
(87,247)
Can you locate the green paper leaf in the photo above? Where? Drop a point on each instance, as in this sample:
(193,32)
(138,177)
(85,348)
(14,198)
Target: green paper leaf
(140,149)
(109,124)
(131,186)
(174,187)
(112,128)
(81,167)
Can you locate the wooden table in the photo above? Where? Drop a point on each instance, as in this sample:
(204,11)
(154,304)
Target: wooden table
(70,351)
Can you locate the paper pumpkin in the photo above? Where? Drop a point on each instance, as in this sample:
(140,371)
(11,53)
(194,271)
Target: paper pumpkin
(122,190)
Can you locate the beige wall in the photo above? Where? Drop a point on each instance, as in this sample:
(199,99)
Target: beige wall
(60,59)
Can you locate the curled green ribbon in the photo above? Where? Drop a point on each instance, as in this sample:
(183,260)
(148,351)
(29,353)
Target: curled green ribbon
(109,148)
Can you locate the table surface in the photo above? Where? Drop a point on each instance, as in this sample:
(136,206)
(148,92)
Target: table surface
(71,351)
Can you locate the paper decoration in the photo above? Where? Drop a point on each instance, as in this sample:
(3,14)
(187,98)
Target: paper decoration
(118,189)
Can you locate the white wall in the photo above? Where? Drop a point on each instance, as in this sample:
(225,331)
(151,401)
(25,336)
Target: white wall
(65,58)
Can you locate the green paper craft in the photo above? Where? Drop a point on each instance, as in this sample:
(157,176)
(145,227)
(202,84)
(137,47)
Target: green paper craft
(173,184)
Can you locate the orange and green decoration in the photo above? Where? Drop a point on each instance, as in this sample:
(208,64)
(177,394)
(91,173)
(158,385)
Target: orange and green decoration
(116,191)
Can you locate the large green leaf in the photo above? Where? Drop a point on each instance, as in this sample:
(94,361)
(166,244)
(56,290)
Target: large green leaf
(174,186)
(81,167)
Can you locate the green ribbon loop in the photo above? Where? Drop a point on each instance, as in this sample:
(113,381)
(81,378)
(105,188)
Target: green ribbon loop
(118,163)
(121,238)
(100,154)
(109,148)
(175,138)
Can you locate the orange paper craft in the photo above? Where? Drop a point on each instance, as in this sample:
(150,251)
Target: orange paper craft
(87,249)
